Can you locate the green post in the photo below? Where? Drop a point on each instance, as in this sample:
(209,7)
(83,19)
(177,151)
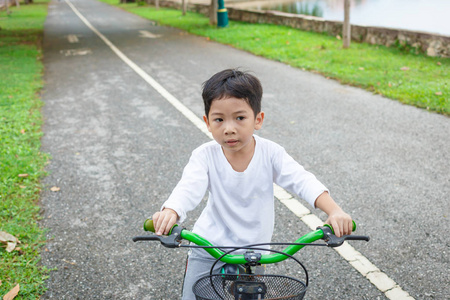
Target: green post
(222,14)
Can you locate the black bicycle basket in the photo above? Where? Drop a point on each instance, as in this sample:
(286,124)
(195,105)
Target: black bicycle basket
(248,287)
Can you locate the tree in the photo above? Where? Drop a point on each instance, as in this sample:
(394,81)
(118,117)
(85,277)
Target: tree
(213,12)
(184,6)
(347,27)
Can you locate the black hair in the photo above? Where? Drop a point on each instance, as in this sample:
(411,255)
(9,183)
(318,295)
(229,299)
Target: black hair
(233,83)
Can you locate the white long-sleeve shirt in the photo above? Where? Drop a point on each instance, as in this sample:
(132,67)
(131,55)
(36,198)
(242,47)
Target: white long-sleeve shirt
(240,207)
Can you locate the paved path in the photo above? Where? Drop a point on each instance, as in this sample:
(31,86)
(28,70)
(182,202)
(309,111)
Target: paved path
(118,148)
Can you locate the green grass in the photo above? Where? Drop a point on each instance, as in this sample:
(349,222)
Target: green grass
(411,78)
(21,72)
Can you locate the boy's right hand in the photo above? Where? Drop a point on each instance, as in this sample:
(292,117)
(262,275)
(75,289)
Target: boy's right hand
(164,220)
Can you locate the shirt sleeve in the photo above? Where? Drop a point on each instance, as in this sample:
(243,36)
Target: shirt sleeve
(290,175)
(191,189)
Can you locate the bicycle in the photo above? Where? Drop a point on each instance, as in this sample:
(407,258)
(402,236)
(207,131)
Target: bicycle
(239,278)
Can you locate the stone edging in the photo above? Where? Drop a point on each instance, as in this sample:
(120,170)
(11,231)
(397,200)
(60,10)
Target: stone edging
(428,43)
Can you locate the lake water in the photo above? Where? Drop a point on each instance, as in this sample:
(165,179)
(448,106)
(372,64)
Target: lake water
(419,15)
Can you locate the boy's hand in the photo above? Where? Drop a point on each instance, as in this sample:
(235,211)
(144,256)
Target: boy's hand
(341,222)
(164,220)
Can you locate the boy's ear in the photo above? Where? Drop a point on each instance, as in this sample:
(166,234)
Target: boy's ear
(207,123)
(259,120)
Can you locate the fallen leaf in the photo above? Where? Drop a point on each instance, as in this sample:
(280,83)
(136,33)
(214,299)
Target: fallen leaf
(8,239)
(69,262)
(404,68)
(438,93)
(12,293)
(287,42)
(22,186)
(439,63)
(390,84)
(22,131)
(55,189)
(361,68)
(338,37)
(23,175)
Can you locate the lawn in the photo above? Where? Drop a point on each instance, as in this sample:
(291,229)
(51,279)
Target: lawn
(411,78)
(21,162)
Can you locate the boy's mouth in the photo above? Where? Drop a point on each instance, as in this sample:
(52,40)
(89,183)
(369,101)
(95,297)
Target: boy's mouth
(231,142)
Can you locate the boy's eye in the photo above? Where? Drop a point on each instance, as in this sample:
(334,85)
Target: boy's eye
(240,118)
(218,120)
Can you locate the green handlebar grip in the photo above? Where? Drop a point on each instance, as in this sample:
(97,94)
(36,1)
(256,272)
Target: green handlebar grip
(331,227)
(148,226)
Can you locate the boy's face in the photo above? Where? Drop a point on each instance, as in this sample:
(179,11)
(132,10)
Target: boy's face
(232,123)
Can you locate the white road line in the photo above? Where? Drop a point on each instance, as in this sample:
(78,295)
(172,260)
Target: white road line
(72,38)
(172,100)
(148,34)
(379,279)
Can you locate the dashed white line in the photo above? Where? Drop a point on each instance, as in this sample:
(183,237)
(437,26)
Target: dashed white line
(379,279)
(148,34)
(72,38)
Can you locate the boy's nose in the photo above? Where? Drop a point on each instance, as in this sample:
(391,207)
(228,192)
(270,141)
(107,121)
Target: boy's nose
(230,128)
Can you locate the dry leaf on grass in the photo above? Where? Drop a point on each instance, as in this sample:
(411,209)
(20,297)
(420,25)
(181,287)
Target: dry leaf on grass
(8,239)
(23,175)
(12,293)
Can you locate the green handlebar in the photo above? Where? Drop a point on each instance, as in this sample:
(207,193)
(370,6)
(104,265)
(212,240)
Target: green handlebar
(239,258)
(148,226)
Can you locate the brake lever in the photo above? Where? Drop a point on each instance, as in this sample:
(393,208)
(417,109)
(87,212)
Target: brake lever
(334,241)
(169,241)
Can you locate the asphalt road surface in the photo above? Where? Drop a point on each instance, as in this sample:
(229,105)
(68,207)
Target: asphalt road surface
(118,148)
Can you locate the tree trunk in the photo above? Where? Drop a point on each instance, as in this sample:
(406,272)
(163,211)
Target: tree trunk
(184,6)
(213,12)
(347,27)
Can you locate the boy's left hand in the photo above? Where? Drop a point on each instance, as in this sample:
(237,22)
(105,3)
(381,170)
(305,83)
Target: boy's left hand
(341,222)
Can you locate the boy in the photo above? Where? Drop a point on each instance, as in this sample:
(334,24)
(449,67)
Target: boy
(238,169)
